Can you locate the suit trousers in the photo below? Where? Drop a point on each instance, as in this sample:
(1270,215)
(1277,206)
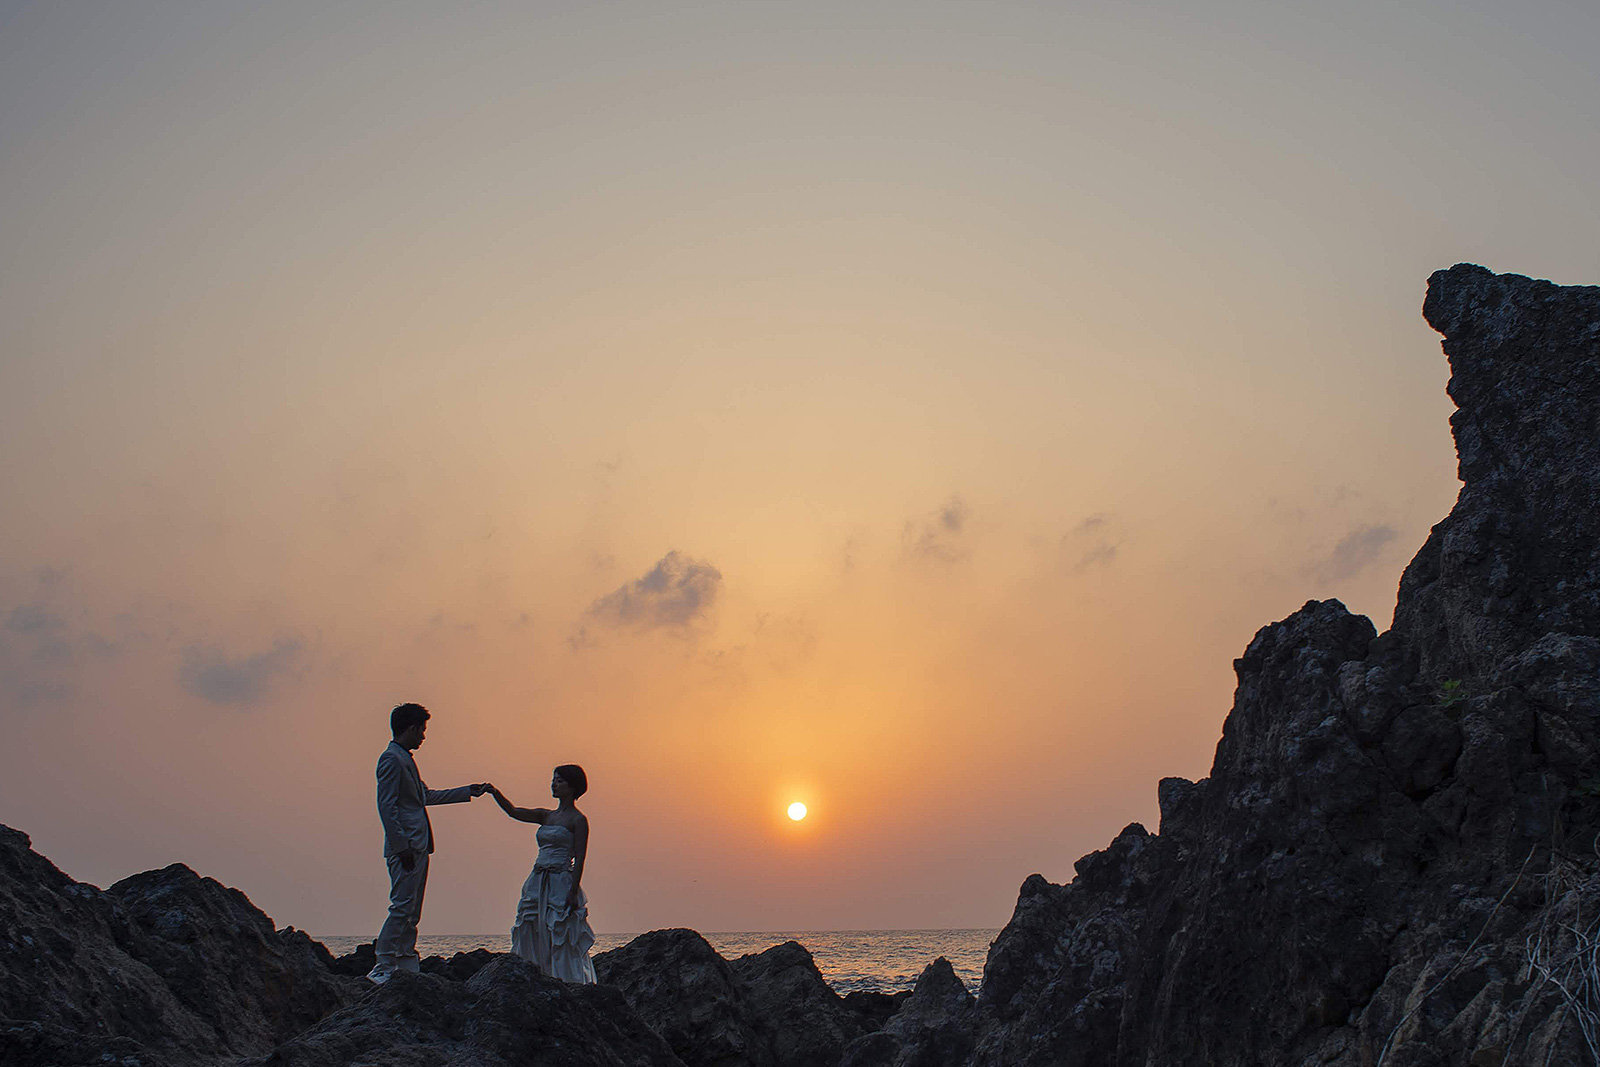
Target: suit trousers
(396,947)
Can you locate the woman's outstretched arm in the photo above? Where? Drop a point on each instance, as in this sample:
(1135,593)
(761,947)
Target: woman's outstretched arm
(520,814)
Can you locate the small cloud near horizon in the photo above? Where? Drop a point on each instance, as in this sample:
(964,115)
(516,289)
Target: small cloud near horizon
(674,594)
(34,619)
(209,673)
(1091,541)
(1094,522)
(937,536)
(46,643)
(1356,551)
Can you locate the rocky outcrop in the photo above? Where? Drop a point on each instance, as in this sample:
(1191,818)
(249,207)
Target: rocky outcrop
(463,965)
(506,1015)
(807,1024)
(873,1009)
(165,967)
(689,995)
(1376,868)
(254,986)
(767,1009)
(934,1028)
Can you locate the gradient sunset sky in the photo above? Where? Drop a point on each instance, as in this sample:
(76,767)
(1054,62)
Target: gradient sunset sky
(906,408)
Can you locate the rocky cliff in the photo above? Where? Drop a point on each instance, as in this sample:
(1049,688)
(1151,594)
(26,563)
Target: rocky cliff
(1392,862)
(1393,858)
(163,967)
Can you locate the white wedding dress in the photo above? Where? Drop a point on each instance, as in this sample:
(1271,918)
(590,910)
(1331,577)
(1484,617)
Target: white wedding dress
(553,936)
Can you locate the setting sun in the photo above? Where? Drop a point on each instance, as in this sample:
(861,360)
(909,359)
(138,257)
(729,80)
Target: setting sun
(797,811)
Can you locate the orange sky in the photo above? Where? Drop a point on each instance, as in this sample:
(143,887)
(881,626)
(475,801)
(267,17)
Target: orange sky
(977,379)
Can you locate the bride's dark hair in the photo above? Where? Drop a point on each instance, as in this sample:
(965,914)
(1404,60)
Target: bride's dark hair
(573,775)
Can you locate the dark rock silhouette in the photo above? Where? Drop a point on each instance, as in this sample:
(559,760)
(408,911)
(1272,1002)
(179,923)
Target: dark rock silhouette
(806,1022)
(873,1009)
(767,1008)
(1393,861)
(220,956)
(506,1015)
(463,965)
(934,1027)
(164,967)
(358,962)
(1377,866)
(689,995)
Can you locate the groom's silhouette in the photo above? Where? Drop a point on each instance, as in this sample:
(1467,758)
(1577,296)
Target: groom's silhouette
(407,837)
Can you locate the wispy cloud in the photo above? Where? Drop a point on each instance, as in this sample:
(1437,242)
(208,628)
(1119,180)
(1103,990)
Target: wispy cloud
(1101,555)
(673,595)
(1092,543)
(938,536)
(211,674)
(45,644)
(1357,550)
(1092,524)
(35,620)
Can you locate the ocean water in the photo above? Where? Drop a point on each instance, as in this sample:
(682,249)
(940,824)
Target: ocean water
(879,961)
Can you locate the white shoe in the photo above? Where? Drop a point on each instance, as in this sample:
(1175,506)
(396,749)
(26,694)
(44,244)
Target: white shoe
(377,977)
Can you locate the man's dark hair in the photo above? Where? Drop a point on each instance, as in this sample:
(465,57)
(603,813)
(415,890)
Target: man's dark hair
(573,775)
(405,716)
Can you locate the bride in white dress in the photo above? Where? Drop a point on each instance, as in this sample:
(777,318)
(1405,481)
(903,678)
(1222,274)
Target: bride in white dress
(552,928)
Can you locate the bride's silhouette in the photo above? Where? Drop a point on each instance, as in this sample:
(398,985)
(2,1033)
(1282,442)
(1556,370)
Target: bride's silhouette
(552,926)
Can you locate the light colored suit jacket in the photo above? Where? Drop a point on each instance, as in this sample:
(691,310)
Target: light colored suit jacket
(403,801)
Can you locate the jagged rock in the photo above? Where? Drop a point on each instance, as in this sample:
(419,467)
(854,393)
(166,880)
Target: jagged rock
(1517,557)
(877,1049)
(688,994)
(220,956)
(357,963)
(806,1022)
(164,967)
(767,1009)
(460,967)
(506,1015)
(872,1009)
(64,965)
(1360,877)
(36,1044)
(1182,802)
(1056,977)
(934,1028)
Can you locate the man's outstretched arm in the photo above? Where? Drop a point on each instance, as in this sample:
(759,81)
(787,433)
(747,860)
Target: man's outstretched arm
(454,796)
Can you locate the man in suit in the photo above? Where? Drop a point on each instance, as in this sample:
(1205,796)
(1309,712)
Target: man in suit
(407,837)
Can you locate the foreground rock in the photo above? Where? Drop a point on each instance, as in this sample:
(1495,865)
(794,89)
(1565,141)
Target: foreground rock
(505,1015)
(459,967)
(767,1009)
(689,995)
(1392,861)
(165,967)
(806,1022)
(934,1028)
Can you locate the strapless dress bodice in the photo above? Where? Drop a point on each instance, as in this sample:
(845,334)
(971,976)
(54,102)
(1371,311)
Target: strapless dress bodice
(555,848)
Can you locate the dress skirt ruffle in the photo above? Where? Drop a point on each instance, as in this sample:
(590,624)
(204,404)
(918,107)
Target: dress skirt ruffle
(548,933)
